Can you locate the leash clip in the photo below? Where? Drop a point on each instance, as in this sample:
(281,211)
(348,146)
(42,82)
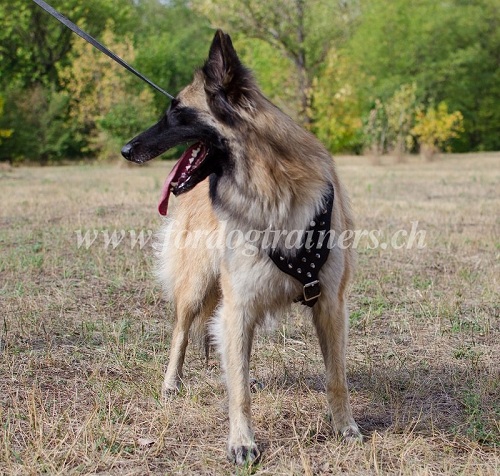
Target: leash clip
(311,291)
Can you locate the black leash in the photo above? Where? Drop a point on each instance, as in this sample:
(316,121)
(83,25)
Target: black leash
(306,264)
(97,45)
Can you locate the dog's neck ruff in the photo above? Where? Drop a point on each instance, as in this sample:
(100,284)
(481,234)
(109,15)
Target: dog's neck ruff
(307,263)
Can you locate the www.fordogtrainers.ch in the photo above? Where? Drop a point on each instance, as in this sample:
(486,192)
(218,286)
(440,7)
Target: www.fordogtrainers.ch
(254,240)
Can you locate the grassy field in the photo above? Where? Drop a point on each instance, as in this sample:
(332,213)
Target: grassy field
(84,334)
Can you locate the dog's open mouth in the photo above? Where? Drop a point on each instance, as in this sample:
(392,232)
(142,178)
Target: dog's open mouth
(183,176)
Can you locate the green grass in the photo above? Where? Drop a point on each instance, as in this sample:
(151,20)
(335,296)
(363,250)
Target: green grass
(85,333)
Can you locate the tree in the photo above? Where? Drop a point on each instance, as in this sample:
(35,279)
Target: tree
(103,101)
(40,132)
(337,114)
(400,111)
(450,49)
(32,43)
(302,30)
(272,72)
(375,131)
(171,41)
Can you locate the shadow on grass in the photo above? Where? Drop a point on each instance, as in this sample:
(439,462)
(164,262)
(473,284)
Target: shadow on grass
(449,399)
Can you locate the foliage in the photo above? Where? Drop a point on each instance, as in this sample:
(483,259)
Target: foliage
(102,102)
(392,126)
(301,30)
(171,42)
(450,49)
(400,111)
(32,43)
(435,127)
(346,70)
(273,72)
(40,131)
(4,133)
(336,114)
(375,130)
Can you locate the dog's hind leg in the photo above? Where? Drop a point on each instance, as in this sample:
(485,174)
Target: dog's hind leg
(187,310)
(331,322)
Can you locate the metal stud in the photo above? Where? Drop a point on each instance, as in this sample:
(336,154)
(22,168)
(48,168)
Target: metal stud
(322,223)
(282,258)
(308,275)
(304,259)
(318,255)
(313,265)
(299,270)
(313,223)
(290,266)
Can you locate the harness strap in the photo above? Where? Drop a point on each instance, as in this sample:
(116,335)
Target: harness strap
(312,255)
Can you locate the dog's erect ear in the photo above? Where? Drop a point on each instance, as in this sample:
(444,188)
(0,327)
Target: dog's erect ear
(223,62)
(227,81)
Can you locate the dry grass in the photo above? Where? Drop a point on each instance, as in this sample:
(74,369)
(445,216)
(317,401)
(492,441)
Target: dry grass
(84,335)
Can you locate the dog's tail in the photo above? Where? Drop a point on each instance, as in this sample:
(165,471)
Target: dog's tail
(199,334)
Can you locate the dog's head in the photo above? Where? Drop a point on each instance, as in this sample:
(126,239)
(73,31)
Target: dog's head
(198,116)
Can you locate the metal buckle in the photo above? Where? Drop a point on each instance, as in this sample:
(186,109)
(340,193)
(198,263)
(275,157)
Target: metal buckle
(311,291)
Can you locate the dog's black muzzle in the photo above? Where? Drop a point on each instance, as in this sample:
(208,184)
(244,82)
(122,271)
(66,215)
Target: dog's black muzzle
(165,134)
(175,127)
(127,151)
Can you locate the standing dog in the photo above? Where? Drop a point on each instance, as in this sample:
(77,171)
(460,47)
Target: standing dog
(264,173)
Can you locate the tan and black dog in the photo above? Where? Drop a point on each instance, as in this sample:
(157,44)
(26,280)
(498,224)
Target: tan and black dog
(250,168)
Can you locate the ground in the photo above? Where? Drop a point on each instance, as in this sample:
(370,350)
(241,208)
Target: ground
(85,333)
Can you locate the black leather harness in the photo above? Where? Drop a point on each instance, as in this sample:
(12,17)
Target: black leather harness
(311,256)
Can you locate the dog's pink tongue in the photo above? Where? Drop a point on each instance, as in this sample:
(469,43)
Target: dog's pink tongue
(180,167)
(165,191)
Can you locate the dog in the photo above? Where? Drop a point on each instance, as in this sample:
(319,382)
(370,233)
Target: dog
(250,169)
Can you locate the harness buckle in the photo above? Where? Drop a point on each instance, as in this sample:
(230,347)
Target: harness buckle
(311,291)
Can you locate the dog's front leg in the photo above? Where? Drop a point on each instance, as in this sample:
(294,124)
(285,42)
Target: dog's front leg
(235,330)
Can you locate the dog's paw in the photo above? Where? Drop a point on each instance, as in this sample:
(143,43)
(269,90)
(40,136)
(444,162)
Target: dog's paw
(351,433)
(170,389)
(243,454)
(346,428)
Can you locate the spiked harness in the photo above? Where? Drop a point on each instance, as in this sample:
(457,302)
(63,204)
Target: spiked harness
(311,256)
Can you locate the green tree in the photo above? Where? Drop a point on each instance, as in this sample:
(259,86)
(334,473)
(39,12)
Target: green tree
(34,48)
(450,49)
(301,30)
(171,42)
(103,102)
(400,110)
(272,72)
(376,130)
(41,133)
(337,120)
(32,43)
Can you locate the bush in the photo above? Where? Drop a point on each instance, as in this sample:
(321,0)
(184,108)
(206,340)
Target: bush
(4,133)
(38,119)
(435,127)
(103,101)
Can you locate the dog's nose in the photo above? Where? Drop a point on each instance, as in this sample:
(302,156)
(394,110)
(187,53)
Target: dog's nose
(127,151)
